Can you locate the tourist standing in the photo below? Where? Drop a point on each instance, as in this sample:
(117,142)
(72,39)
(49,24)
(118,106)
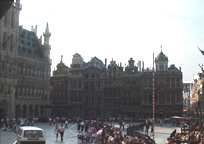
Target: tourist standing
(66,124)
(169,140)
(123,124)
(56,131)
(78,125)
(161,122)
(98,136)
(82,126)
(61,130)
(147,129)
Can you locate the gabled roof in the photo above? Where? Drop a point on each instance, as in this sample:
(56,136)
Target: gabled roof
(95,62)
(95,59)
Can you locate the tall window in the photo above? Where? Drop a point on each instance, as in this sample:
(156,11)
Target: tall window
(9,67)
(168,99)
(161,97)
(173,97)
(168,82)
(12,19)
(4,40)
(173,82)
(2,65)
(1,89)
(161,67)
(150,97)
(9,89)
(11,43)
(145,98)
(178,82)
(178,97)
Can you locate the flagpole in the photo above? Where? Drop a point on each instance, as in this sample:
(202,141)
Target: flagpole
(153,100)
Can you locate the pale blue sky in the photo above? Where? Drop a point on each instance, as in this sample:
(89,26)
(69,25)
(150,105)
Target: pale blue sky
(121,29)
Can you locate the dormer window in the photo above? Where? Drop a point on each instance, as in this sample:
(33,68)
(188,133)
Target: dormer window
(161,68)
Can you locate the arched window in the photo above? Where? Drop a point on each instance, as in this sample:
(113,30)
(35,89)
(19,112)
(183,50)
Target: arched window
(4,40)
(11,43)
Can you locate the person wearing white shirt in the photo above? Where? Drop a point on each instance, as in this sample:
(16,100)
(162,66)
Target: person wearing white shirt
(82,126)
(66,124)
(98,136)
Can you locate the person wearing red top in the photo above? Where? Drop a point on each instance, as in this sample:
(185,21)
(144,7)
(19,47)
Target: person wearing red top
(169,141)
(192,126)
(98,128)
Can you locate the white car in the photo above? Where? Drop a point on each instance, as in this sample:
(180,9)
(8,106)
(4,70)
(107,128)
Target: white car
(30,135)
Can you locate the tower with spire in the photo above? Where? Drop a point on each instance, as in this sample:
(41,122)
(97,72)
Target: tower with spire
(47,46)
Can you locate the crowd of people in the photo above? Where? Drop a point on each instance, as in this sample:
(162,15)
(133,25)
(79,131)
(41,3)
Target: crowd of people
(11,124)
(191,133)
(97,132)
(89,131)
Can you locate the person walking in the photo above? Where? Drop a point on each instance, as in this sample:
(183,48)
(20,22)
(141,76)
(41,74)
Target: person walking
(78,125)
(82,126)
(61,130)
(56,132)
(151,133)
(123,124)
(66,124)
(147,129)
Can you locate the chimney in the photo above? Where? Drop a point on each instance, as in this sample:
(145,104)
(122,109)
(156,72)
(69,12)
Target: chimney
(139,65)
(105,63)
(36,30)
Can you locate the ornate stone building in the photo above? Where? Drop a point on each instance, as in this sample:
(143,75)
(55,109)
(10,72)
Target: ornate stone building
(196,96)
(168,89)
(93,89)
(77,91)
(9,29)
(25,68)
(33,88)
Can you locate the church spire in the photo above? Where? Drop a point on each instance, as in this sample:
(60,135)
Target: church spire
(47,35)
(47,29)
(47,46)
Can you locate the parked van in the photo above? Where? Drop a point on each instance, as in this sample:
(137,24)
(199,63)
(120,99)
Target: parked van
(30,135)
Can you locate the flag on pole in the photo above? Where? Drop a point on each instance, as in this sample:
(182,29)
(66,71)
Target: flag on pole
(201,51)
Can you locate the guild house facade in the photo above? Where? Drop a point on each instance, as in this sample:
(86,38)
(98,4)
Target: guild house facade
(94,89)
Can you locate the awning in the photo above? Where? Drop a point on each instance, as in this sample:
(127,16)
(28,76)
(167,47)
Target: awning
(176,117)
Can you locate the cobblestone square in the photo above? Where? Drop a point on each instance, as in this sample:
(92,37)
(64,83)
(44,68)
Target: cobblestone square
(70,136)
